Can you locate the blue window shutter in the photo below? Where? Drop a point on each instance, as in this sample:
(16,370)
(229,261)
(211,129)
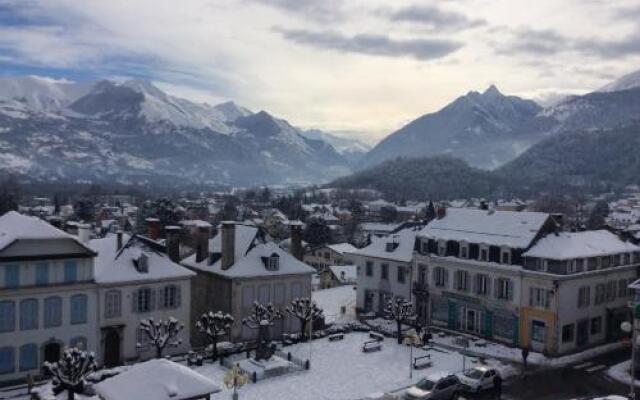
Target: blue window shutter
(42,273)
(78,309)
(178,296)
(70,271)
(28,357)
(7,316)
(7,360)
(52,311)
(12,276)
(28,314)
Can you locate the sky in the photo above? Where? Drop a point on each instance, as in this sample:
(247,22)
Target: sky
(361,68)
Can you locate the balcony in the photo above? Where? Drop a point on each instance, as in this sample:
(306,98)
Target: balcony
(420,288)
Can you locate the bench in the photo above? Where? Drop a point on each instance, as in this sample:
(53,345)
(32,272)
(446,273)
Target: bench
(336,336)
(422,362)
(376,336)
(371,345)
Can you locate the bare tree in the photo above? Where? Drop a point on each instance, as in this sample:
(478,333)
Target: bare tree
(306,311)
(400,310)
(262,317)
(70,371)
(161,334)
(215,325)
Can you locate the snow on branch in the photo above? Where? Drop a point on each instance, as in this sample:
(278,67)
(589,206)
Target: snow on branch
(215,325)
(161,334)
(70,372)
(261,315)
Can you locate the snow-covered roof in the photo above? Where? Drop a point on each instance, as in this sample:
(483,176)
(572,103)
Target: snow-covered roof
(495,228)
(342,248)
(113,266)
(403,252)
(252,264)
(196,223)
(378,227)
(570,245)
(345,273)
(244,238)
(15,226)
(157,379)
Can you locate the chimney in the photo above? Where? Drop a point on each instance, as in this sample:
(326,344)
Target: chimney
(228,241)
(202,242)
(173,242)
(118,239)
(296,240)
(153,228)
(84,231)
(441,212)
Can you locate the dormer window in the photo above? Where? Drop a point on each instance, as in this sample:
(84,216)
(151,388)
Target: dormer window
(272,263)
(391,246)
(141,263)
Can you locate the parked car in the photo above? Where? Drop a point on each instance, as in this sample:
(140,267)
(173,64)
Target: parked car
(441,386)
(477,379)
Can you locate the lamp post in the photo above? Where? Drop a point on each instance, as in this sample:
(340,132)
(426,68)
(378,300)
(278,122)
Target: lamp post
(412,339)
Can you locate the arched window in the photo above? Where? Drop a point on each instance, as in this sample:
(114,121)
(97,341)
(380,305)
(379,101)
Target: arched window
(7,316)
(79,309)
(112,304)
(28,314)
(28,357)
(52,311)
(79,343)
(7,360)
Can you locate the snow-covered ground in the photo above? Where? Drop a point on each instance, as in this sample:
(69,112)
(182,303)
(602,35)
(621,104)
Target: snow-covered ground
(620,372)
(332,300)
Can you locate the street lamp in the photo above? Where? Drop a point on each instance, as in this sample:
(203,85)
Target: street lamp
(412,339)
(627,326)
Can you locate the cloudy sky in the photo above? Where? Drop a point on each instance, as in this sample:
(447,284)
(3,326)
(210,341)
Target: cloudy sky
(360,67)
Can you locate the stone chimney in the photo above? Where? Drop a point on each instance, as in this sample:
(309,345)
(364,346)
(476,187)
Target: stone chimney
(228,241)
(153,228)
(173,242)
(441,213)
(118,240)
(202,242)
(84,232)
(296,240)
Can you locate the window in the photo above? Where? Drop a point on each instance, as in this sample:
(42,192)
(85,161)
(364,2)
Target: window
(506,257)
(28,357)
(584,296)
(592,264)
(28,314)
(440,277)
(600,293)
(369,268)
(142,340)
(622,288)
(112,304)
(264,294)
(327,255)
(7,316)
(279,293)
(538,331)
(143,300)
(606,262)
(402,274)
(462,280)
(596,325)
(296,290)
(70,271)
(170,296)
(611,290)
(79,343)
(627,258)
(247,296)
(7,360)
(78,309)
(52,311)
(538,297)
(273,262)
(504,289)
(11,276)
(484,254)
(567,333)
(384,271)
(422,274)
(579,265)
(42,274)
(482,284)
(571,266)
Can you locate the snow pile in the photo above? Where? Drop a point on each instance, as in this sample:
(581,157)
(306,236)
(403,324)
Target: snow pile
(621,373)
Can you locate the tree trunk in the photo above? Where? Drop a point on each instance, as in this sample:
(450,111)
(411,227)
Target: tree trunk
(303,330)
(399,332)
(70,394)
(214,349)
(158,352)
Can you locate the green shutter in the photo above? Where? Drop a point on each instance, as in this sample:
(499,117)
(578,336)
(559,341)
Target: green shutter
(488,323)
(453,315)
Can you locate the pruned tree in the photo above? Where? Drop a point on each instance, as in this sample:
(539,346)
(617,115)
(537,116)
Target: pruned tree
(161,334)
(262,317)
(70,371)
(215,325)
(400,310)
(306,311)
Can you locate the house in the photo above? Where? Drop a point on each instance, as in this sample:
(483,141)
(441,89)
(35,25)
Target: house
(338,275)
(136,279)
(236,268)
(157,380)
(379,229)
(384,270)
(47,294)
(329,254)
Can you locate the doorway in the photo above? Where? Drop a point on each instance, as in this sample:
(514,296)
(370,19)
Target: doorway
(52,353)
(112,348)
(470,320)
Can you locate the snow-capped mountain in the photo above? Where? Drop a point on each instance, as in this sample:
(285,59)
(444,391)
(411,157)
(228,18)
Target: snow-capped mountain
(482,128)
(133,132)
(629,81)
(351,148)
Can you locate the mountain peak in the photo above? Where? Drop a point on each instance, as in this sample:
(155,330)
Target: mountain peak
(492,91)
(626,82)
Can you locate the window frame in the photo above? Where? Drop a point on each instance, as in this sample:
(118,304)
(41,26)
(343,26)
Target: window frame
(78,303)
(112,303)
(9,317)
(25,318)
(52,312)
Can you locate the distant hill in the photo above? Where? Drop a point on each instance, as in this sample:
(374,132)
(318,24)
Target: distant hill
(437,177)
